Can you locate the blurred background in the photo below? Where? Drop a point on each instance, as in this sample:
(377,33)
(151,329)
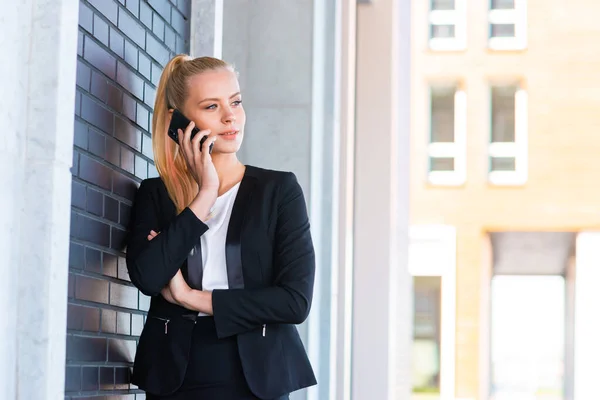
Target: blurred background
(448,150)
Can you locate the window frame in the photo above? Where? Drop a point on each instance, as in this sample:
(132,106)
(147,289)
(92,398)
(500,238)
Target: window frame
(517,149)
(517,17)
(456,149)
(456,17)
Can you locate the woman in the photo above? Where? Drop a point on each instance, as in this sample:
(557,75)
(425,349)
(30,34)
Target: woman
(224,250)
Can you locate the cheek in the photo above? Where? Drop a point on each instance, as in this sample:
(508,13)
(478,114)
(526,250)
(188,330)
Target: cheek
(240,116)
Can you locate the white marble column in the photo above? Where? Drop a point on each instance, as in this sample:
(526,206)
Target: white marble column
(381,334)
(587,328)
(206,28)
(37,73)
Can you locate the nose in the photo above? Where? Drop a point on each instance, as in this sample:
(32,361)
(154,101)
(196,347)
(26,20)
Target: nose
(229,116)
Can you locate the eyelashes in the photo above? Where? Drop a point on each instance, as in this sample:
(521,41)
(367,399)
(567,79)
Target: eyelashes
(214,106)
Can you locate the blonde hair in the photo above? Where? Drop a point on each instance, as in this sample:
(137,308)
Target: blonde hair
(171,93)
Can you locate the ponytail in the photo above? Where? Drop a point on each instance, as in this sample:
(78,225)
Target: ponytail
(171,93)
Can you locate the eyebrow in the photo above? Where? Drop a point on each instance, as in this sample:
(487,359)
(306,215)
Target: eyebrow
(214,99)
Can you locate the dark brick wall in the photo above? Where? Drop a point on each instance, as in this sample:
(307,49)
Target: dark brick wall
(123,46)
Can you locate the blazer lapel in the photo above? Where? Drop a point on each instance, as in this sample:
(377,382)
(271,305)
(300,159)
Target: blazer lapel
(233,247)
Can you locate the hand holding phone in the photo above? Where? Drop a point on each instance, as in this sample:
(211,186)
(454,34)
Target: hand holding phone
(180,121)
(196,151)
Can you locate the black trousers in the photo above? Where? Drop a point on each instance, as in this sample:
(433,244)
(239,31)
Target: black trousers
(214,371)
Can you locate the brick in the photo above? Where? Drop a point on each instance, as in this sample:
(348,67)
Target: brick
(101,30)
(109,321)
(77,103)
(133,6)
(92,171)
(130,81)
(117,240)
(129,107)
(123,296)
(111,209)
(99,86)
(107,378)
(156,73)
(113,152)
(132,28)
(91,289)
(178,23)
(83,318)
(117,42)
(156,50)
(86,18)
(80,43)
(114,97)
(124,214)
(137,324)
(72,379)
(123,323)
(122,378)
(97,143)
(124,186)
(149,94)
(95,202)
(144,66)
(77,195)
(170,38)
(96,114)
(121,350)
(146,14)
(83,75)
(99,58)
(89,378)
(128,134)
(142,117)
(127,160)
(158,27)
(93,260)
(162,7)
(88,349)
(141,167)
(109,265)
(131,54)
(122,272)
(108,8)
(76,256)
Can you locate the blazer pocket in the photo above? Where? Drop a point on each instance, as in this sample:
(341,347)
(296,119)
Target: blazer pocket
(162,354)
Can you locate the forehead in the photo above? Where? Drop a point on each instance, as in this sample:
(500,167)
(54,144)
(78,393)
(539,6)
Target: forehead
(220,83)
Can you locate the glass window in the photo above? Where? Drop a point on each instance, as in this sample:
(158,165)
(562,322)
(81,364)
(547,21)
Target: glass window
(426,337)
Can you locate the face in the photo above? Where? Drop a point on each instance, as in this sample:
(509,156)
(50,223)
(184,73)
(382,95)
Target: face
(214,102)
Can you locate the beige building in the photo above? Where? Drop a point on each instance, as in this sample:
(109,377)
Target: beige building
(504,197)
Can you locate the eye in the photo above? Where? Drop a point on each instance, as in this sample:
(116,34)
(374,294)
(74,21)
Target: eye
(211,107)
(237,102)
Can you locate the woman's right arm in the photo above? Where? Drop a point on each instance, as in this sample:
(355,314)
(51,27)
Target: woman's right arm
(152,264)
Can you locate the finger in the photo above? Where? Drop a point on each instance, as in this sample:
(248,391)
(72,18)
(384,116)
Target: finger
(186,140)
(196,144)
(206,148)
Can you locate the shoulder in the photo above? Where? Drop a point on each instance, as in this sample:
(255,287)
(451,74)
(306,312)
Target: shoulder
(152,187)
(270,175)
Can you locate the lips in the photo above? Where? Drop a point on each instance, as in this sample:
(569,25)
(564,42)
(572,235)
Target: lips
(229,133)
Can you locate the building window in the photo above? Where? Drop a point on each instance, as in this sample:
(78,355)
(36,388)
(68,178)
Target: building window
(447,25)
(508,142)
(508,24)
(447,140)
(432,264)
(426,336)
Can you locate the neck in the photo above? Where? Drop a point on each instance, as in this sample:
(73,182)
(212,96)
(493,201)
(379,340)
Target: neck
(229,169)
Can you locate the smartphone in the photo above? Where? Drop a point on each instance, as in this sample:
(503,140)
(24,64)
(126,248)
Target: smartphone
(180,121)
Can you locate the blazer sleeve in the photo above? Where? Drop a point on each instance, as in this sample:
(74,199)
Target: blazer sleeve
(152,264)
(288,301)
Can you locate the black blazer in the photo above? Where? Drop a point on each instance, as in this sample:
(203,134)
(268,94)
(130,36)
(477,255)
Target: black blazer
(270,266)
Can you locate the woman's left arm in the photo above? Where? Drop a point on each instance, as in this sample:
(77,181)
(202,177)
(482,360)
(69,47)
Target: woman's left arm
(289,300)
